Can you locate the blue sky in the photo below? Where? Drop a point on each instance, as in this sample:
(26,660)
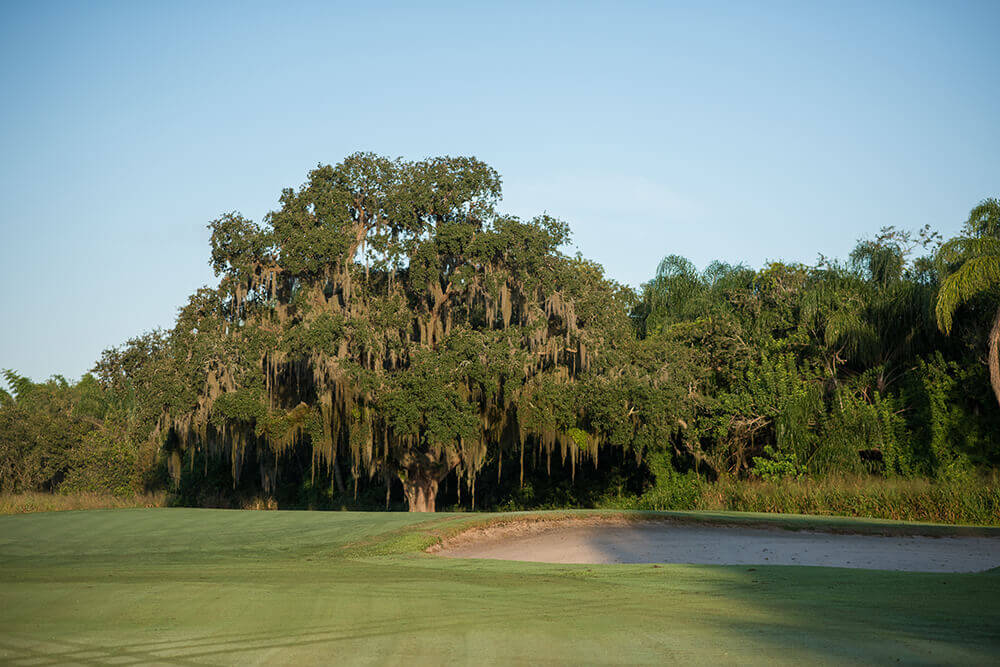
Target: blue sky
(740,131)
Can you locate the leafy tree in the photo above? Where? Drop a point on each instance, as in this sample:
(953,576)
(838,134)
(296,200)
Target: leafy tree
(42,426)
(387,312)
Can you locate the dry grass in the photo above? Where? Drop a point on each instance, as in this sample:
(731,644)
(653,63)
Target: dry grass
(23,503)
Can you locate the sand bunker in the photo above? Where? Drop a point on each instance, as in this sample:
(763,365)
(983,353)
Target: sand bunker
(661,542)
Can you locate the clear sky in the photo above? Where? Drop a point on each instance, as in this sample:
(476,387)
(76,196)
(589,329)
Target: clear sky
(740,131)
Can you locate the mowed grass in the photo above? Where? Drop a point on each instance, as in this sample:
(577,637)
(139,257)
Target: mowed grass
(200,587)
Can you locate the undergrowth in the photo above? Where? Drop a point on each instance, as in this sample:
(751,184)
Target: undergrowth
(971,500)
(22,503)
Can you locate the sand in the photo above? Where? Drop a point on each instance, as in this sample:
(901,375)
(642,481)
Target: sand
(656,542)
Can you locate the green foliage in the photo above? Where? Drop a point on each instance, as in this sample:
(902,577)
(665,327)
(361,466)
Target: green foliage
(954,418)
(239,246)
(242,405)
(671,490)
(970,264)
(70,437)
(777,465)
(977,274)
(426,401)
(323,333)
(861,422)
(816,370)
(386,327)
(103,463)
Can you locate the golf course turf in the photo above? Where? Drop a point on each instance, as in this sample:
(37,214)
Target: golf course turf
(196,587)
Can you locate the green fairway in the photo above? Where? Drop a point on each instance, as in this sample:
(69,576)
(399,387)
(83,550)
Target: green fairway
(193,587)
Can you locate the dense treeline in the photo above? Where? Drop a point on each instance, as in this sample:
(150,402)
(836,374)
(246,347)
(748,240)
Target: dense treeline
(387,336)
(831,368)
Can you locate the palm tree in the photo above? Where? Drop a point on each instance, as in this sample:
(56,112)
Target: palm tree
(972,265)
(872,315)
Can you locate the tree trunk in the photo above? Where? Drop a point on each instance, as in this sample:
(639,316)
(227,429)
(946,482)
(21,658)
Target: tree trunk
(337,479)
(421,473)
(421,491)
(994,359)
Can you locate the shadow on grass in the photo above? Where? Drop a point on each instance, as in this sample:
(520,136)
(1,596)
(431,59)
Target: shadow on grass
(672,613)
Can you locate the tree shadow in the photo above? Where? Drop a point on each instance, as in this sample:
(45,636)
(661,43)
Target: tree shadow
(816,613)
(846,610)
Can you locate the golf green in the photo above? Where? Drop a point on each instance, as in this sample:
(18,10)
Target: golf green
(202,587)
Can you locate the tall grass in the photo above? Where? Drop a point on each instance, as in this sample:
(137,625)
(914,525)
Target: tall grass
(21,503)
(973,501)
(970,501)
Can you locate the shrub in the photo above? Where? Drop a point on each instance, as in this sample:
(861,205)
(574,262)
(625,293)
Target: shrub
(777,465)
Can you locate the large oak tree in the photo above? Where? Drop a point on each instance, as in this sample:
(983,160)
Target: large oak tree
(387,312)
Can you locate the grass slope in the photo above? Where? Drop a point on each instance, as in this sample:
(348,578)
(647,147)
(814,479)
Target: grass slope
(197,587)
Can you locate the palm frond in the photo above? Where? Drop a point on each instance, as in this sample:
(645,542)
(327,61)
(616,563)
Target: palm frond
(20,386)
(984,219)
(849,329)
(975,275)
(964,248)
